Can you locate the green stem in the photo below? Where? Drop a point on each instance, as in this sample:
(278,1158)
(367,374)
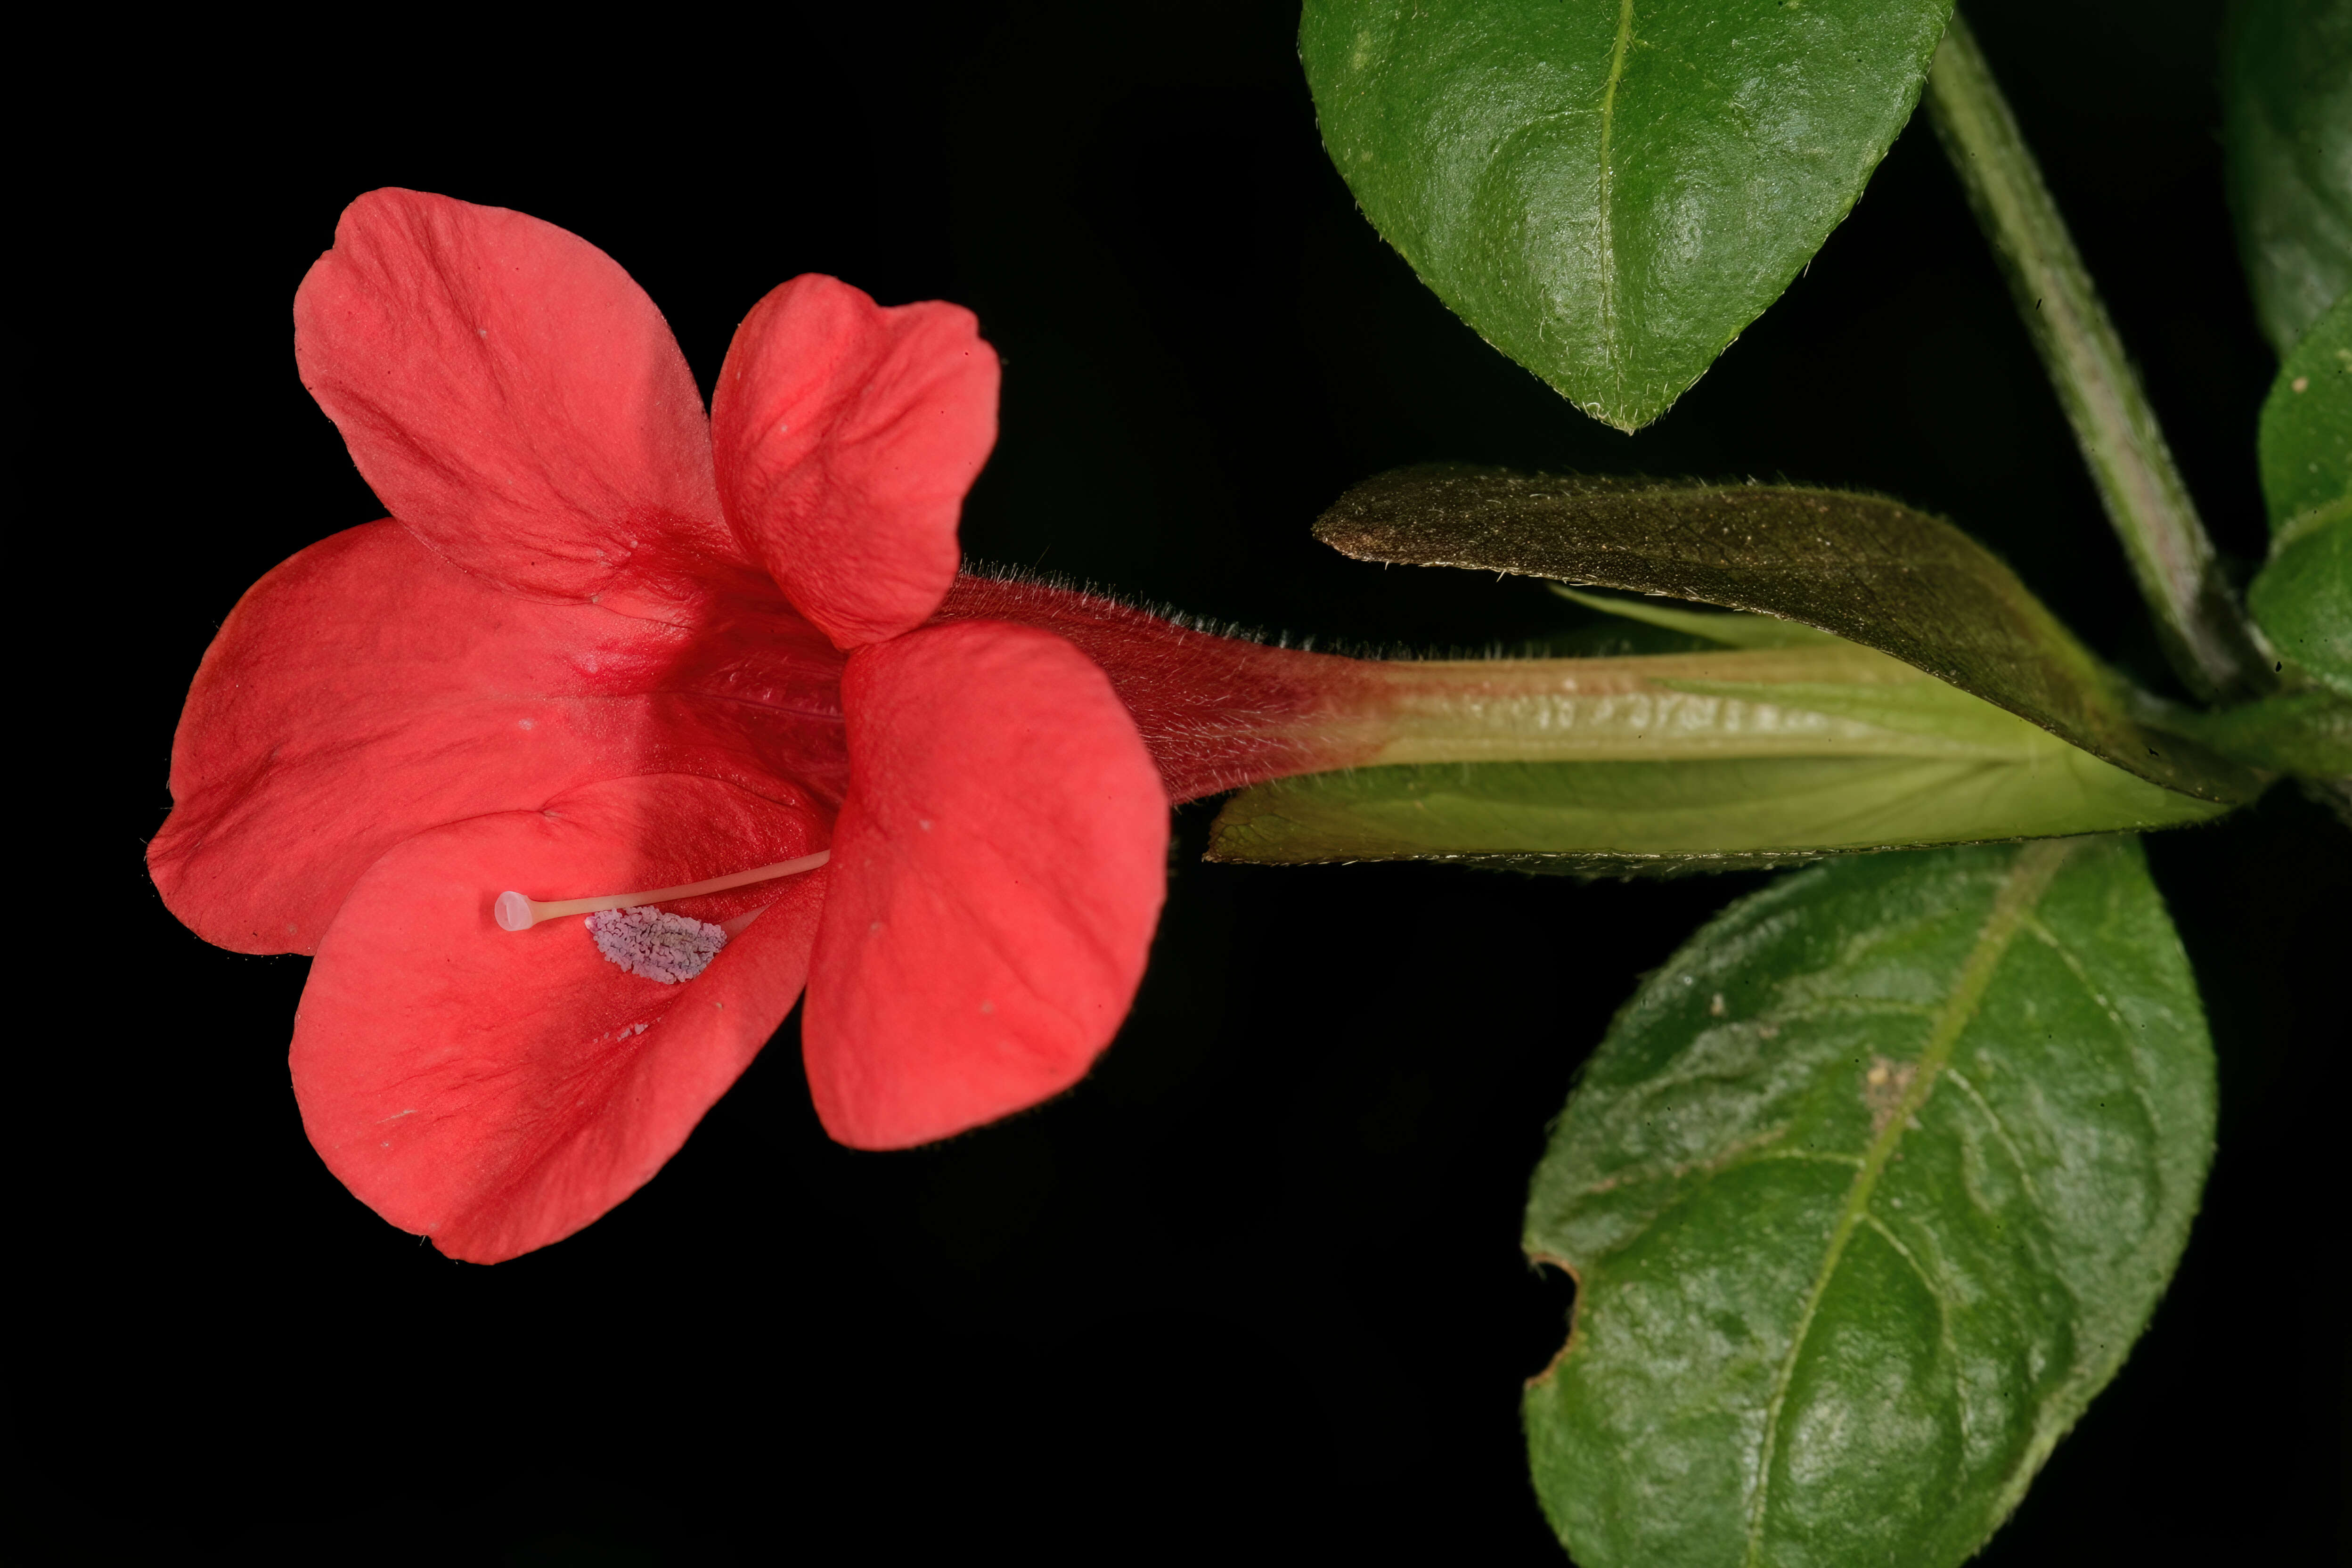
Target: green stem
(2205,631)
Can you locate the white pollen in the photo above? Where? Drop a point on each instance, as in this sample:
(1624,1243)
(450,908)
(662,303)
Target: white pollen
(524,724)
(655,944)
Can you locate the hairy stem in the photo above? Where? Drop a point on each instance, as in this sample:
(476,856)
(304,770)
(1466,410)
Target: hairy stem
(2205,631)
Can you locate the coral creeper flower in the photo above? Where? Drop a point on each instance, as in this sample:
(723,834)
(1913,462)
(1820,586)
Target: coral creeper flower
(603,646)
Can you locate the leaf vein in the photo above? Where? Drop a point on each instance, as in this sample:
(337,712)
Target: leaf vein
(2075,964)
(2028,878)
(2124,1034)
(2000,1131)
(1944,1338)
(1608,270)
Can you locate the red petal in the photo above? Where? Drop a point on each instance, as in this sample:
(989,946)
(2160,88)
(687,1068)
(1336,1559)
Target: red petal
(365,691)
(997,871)
(847,435)
(498,1090)
(513,396)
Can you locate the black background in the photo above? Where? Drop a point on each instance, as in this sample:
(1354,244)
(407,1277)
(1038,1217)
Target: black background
(1254,1287)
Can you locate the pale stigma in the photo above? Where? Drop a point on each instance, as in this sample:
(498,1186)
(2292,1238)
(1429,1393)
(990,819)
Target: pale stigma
(655,944)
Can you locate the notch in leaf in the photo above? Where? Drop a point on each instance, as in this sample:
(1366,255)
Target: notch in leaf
(1867,1193)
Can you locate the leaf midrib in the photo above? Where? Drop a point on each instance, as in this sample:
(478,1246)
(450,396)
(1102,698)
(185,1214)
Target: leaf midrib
(2028,878)
(1608,280)
(2304,524)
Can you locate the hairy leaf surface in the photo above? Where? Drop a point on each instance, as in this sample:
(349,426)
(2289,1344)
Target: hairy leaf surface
(1867,569)
(1609,192)
(1868,1192)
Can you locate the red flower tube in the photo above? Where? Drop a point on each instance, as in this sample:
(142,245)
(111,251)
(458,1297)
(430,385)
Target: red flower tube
(602,646)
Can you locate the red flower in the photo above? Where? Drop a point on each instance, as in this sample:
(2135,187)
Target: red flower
(601,646)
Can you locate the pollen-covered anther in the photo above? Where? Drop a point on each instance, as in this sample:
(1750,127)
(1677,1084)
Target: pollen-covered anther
(657,943)
(513,912)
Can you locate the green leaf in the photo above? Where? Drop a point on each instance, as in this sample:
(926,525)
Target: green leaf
(2305,439)
(1610,193)
(2303,600)
(1859,566)
(1868,1193)
(2287,130)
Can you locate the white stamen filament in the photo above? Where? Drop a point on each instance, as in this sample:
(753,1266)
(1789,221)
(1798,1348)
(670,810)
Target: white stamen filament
(516,912)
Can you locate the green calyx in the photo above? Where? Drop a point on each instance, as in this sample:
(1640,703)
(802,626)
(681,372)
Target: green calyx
(1890,685)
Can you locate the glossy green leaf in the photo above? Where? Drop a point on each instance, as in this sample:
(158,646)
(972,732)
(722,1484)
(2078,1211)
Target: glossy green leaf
(2287,130)
(1867,1193)
(1862,567)
(1610,193)
(2303,600)
(2305,437)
